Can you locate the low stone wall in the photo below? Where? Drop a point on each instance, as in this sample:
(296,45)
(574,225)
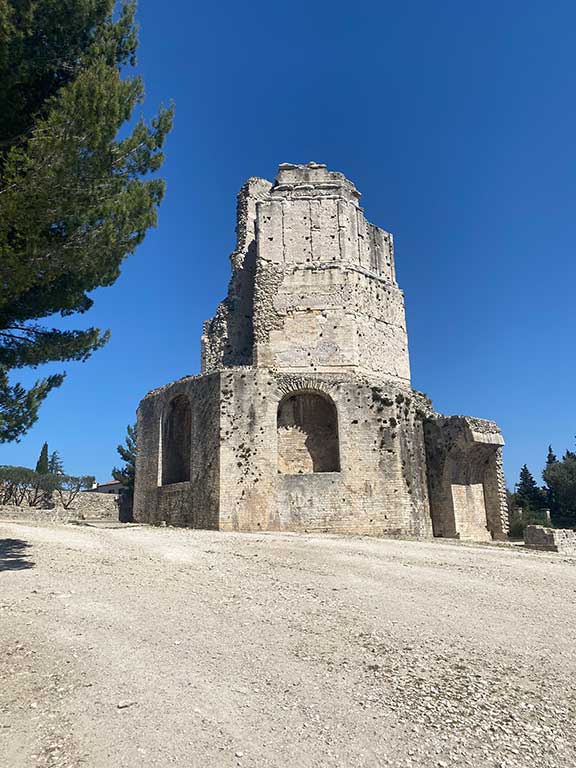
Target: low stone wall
(561,540)
(33,514)
(86,506)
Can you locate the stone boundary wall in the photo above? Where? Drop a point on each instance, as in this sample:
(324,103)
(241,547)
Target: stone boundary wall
(562,540)
(86,506)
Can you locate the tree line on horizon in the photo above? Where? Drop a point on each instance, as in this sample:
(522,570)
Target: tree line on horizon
(556,499)
(40,486)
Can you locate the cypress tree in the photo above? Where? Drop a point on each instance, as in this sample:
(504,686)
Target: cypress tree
(551,501)
(42,467)
(73,198)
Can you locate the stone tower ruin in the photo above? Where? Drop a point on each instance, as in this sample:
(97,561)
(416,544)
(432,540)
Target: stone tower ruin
(303,418)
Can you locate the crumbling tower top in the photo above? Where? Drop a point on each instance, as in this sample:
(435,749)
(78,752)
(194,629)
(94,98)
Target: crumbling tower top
(312,180)
(313,287)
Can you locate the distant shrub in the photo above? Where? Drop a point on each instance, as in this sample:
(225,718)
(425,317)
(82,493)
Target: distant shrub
(520,519)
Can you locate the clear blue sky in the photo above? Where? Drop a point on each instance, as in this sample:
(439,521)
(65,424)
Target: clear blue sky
(457,122)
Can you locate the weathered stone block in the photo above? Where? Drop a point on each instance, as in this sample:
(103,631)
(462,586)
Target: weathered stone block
(466,482)
(562,540)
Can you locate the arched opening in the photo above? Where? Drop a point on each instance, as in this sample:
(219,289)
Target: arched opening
(307,427)
(176,441)
(464,475)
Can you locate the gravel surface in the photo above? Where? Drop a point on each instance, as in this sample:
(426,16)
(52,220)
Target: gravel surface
(145,647)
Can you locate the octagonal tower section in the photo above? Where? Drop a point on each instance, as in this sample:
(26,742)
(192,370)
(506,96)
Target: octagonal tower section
(326,298)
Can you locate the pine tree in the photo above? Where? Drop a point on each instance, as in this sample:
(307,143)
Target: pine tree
(73,198)
(127,474)
(528,496)
(551,457)
(127,453)
(560,477)
(42,465)
(55,465)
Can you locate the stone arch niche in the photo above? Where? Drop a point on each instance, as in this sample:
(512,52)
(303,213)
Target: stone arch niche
(307,427)
(176,441)
(465,479)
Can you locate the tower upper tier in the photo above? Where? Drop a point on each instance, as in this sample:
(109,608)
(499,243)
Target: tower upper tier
(313,287)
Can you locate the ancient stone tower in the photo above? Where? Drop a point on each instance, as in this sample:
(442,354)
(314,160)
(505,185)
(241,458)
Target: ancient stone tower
(303,417)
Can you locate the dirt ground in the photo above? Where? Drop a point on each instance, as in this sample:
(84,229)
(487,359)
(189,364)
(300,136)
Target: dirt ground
(146,647)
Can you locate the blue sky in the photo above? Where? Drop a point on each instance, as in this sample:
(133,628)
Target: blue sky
(455,120)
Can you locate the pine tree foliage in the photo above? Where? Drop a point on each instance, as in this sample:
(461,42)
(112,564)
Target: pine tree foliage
(127,475)
(560,477)
(15,483)
(68,487)
(19,406)
(55,464)
(127,452)
(550,457)
(42,465)
(528,495)
(74,200)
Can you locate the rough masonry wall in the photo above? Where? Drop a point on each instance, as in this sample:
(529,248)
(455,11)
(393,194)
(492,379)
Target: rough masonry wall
(86,506)
(194,503)
(326,297)
(328,319)
(228,337)
(465,478)
(561,540)
(381,487)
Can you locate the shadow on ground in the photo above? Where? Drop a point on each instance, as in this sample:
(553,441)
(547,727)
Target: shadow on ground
(13,555)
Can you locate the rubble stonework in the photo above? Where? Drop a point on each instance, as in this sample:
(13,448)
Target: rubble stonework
(561,540)
(304,418)
(466,484)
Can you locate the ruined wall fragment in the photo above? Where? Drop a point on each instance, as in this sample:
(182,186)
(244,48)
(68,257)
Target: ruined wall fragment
(228,338)
(465,479)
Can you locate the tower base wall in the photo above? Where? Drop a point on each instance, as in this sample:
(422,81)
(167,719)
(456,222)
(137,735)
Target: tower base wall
(250,471)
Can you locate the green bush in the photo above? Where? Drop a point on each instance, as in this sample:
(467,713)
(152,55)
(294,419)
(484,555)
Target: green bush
(521,519)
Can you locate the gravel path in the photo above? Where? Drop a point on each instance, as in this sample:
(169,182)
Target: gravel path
(157,647)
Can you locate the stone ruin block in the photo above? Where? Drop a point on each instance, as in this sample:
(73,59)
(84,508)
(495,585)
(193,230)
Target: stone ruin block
(465,478)
(562,540)
(303,417)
